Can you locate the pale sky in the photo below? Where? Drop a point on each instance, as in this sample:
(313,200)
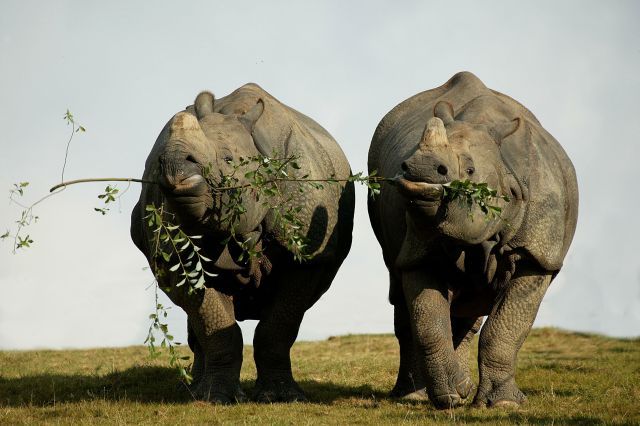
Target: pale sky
(124,68)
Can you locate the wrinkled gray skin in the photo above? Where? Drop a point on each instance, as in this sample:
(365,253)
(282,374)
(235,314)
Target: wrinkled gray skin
(448,270)
(275,289)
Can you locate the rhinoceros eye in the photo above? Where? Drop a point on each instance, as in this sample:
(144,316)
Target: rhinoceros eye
(227,158)
(470,171)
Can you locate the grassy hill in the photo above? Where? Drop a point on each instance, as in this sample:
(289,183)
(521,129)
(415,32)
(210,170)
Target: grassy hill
(569,378)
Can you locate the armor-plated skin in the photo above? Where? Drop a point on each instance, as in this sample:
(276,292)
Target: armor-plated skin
(449,268)
(274,289)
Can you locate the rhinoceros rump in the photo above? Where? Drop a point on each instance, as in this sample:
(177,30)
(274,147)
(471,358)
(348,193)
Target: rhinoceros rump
(450,267)
(274,289)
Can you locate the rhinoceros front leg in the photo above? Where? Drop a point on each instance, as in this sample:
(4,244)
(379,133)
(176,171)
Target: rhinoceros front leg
(410,382)
(295,291)
(197,368)
(502,336)
(217,341)
(447,381)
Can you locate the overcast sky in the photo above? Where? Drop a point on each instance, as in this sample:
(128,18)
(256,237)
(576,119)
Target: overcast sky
(124,68)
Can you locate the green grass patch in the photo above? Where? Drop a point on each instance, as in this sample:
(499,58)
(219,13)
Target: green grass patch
(570,378)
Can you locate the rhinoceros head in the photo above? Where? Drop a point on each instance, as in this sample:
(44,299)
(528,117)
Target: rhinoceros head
(199,147)
(454,149)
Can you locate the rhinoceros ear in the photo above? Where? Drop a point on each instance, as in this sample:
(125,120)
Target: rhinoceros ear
(504,129)
(250,118)
(444,111)
(204,104)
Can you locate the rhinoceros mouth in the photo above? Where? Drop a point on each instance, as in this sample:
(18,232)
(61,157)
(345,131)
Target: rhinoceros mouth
(192,186)
(191,193)
(420,193)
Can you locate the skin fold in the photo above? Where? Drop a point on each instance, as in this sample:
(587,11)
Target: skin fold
(449,266)
(206,139)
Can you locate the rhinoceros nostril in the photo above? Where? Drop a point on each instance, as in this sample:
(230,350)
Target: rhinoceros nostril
(191,159)
(404,166)
(442,169)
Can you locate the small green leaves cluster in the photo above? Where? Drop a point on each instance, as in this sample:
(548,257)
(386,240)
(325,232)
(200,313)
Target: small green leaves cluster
(18,189)
(26,218)
(75,128)
(159,326)
(109,196)
(371,181)
(474,193)
(68,117)
(175,251)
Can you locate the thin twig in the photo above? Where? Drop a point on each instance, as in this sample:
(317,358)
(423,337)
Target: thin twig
(71,182)
(332,180)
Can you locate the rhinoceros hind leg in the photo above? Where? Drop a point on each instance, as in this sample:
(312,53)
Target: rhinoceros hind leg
(502,336)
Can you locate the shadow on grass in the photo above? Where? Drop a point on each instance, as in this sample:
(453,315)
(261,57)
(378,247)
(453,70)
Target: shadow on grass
(519,418)
(139,384)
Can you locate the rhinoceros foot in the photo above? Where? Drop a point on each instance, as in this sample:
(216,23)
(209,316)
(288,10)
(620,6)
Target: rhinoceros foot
(278,390)
(504,395)
(218,391)
(454,399)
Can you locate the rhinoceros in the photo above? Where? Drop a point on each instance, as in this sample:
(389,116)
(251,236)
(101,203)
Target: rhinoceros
(211,137)
(449,265)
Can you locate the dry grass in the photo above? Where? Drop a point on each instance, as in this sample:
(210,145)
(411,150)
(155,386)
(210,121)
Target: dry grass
(570,379)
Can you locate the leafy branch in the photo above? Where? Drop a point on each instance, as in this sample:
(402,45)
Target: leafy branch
(172,246)
(174,251)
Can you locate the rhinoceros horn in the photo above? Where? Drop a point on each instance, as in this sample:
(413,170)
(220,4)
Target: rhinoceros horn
(183,122)
(435,135)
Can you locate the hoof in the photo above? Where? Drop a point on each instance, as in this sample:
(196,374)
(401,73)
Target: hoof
(456,396)
(444,402)
(215,395)
(465,387)
(279,391)
(505,395)
(417,395)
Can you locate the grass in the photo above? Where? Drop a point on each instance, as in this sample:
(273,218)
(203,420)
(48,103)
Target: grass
(570,378)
